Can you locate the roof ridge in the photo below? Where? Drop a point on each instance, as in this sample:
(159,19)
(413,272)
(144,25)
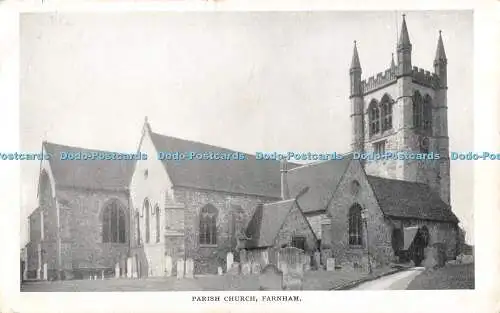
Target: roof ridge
(316,163)
(76,147)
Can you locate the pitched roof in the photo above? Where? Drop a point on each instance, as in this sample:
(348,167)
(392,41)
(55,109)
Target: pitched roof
(91,174)
(266,223)
(400,198)
(250,176)
(321,179)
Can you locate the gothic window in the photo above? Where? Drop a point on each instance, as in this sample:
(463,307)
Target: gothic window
(138,228)
(374,117)
(386,106)
(427,113)
(208,225)
(146,219)
(113,223)
(355,225)
(418,113)
(157,214)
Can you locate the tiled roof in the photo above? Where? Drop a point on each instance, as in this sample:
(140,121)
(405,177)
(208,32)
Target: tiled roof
(250,176)
(266,223)
(400,198)
(91,174)
(321,179)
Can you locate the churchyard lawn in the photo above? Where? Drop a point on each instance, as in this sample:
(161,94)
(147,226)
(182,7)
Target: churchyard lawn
(313,280)
(452,276)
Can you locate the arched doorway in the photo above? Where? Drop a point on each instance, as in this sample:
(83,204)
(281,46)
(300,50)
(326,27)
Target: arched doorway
(397,242)
(420,242)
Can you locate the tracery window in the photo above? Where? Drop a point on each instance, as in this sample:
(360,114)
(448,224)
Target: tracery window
(113,223)
(208,225)
(147,220)
(386,106)
(374,117)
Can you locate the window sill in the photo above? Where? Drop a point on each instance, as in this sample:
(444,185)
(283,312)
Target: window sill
(207,246)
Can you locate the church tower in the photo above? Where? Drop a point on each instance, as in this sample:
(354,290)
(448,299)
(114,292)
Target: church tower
(403,110)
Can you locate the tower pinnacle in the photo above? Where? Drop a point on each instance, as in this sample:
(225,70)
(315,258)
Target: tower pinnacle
(404,38)
(355,58)
(440,54)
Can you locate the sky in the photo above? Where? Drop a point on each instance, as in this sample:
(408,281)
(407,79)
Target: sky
(248,81)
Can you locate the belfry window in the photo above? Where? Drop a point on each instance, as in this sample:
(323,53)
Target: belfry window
(355,226)
(113,223)
(418,112)
(374,116)
(208,225)
(427,113)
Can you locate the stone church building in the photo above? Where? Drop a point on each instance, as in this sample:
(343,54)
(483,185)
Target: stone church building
(95,214)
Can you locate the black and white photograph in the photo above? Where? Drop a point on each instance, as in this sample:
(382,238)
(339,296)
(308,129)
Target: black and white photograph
(246,151)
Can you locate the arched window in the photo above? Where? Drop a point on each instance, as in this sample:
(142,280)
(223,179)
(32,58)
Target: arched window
(355,225)
(418,113)
(157,214)
(113,223)
(138,228)
(374,115)
(386,105)
(208,225)
(146,219)
(427,113)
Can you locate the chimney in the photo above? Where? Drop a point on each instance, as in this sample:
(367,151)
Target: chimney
(285,194)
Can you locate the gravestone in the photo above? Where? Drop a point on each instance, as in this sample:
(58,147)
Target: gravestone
(45,270)
(117,270)
(317,260)
(189,268)
(168,266)
(292,266)
(235,269)
(243,256)
(129,267)
(180,269)
(229,261)
(271,278)
(256,268)
(102,275)
(219,271)
(330,264)
(246,269)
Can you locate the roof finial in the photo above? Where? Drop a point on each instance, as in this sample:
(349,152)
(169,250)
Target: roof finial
(355,58)
(145,119)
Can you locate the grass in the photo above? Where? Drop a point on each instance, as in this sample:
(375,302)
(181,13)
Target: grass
(458,276)
(313,280)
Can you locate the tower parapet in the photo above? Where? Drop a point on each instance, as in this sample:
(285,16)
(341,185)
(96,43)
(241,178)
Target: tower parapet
(378,81)
(425,78)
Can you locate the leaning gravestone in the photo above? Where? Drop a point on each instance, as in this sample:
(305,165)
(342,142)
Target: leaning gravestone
(220,271)
(180,269)
(189,268)
(168,266)
(229,261)
(271,278)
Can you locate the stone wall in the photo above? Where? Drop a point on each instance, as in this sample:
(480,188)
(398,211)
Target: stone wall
(336,235)
(81,228)
(296,224)
(208,258)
